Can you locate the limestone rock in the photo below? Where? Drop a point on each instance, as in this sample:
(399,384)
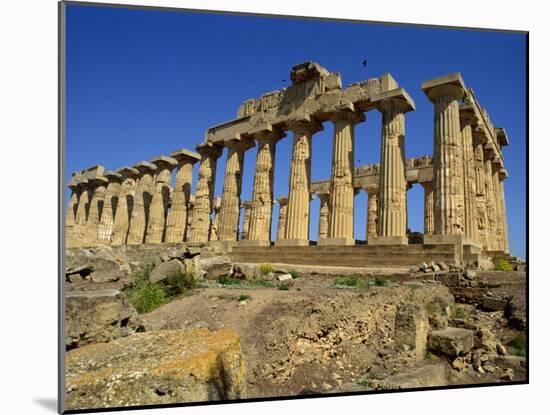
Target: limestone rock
(164,270)
(157,367)
(451,341)
(214,267)
(98,316)
(449,279)
(411,328)
(424,374)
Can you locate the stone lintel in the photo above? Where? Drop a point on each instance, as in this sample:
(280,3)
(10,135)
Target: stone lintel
(451,84)
(502,137)
(292,242)
(185,155)
(320,187)
(346,111)
(336,241)
(128,172)
(145,167)
(388,240)
(113,175)
(239,141)
(399,95)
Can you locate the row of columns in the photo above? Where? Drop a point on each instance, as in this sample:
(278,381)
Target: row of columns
(467,189)
(134,205)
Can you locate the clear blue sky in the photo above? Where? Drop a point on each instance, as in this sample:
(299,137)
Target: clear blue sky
(141,83)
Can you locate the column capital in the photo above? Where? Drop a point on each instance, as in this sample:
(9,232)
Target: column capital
(428,184)
(98,181)
(449,85)
(209,149)
(479,135)
(282,200)
(305,124)
(239,143)
(371,189)
(397,99)
(497,161)
(489,150)
(145,167)
(346,112)
(467,115)
(266,131)
(164,162)
(502,137)
(113,176)
(185,156)
(128,172)
(502,174)
(245,204)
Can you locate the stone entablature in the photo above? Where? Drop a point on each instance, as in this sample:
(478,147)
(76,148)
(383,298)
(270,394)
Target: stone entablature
(462,180)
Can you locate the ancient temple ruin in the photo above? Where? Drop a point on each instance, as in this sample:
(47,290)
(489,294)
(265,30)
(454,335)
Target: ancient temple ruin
(463,180)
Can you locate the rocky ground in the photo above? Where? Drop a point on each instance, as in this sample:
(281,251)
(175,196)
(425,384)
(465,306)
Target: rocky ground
(310,333)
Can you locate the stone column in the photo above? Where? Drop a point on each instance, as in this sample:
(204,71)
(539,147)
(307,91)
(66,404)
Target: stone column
(246,206)
(323,217)
(160,200)
(392,219)
(190,214)
(204,194)
(262,197)
(81,215)
(72,208)
(125,205)
(428,208)
(447,160)
(297,220)
(479,176)
(467,119)
(232,184)
(142,203)
(341,193)
(215,220)
(490,199)
(283,205)
(99,186)
(177,216)
(105,228)
(372,213)
(503,174)
(496,167)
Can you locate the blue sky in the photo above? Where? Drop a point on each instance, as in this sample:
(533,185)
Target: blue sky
(141,83)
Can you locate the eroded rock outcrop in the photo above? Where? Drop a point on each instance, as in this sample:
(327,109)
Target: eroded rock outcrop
(168,366)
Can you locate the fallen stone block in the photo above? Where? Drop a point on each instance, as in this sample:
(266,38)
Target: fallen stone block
(449,279)
(411,328)
(166,269)
(284,277)
(160,367)
(424,374)
(451,341)
(98,316)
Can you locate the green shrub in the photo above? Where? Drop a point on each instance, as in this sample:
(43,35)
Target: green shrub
(144,295)
(295,274)
(519,343)
(430,356)
(351,281)
(458,312)
(365,382)
(177,283)
(262,283)
(381,281)
(266,269)
(503,265)
(283,287)
(225,280)
(243,297)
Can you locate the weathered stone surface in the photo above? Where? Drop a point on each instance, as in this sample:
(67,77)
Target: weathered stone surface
(158,367)
(449,279)
(425,374)
(97,316)
(451,341)
(166,269)
(98,264)
(411,328)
